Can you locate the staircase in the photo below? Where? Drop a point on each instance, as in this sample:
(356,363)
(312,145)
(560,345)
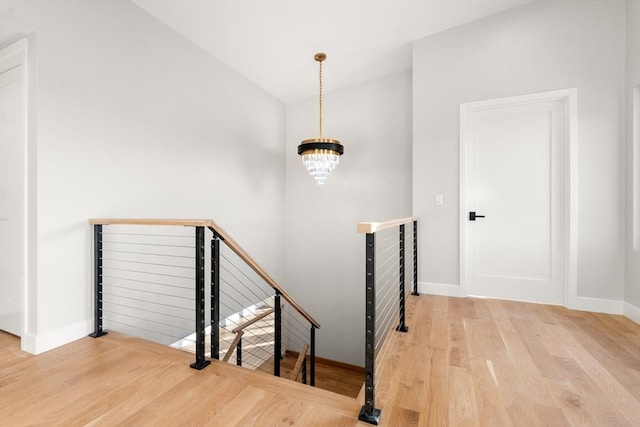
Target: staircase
(151,281)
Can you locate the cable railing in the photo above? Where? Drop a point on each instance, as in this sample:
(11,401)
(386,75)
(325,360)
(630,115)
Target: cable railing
(147,278)
(152,281)
(391,273)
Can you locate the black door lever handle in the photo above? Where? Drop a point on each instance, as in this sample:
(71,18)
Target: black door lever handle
(473,216)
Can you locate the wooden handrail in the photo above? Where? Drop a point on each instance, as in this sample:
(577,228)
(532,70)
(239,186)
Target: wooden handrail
(148,221)
(298,366)
(252,321)
(233,346)
(372,227)
(237,249)
(231,244)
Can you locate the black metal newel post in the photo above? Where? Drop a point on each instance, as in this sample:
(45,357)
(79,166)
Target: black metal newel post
(239,352)
(200,362)
(215,297)
(97,282)
(277,348)
(312,357)
(415,258)
(369,413)
(304,371)
(402,327)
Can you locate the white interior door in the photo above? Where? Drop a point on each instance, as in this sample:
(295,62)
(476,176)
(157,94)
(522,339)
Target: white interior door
(514,176)
(12,137)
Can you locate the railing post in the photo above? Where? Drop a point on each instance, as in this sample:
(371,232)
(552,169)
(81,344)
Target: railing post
(304,371)
(200,362)
(312,357)
(97,282)
(369,413)
(239,352)
(277,347)
(402,327)
(415,258)
(215,297)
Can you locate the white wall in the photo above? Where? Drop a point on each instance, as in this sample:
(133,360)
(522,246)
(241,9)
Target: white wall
(632,288)
(324,254)
(537,47)
(135,121)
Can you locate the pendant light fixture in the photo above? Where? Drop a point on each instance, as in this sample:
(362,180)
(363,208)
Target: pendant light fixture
(320,155)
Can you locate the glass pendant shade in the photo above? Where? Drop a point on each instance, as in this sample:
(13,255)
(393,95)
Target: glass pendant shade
(320,155)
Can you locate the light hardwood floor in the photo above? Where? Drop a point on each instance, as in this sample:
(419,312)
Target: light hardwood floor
(116,380)
(464,362)
(486,362)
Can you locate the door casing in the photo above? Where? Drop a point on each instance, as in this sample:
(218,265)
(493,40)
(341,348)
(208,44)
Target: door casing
(12,56)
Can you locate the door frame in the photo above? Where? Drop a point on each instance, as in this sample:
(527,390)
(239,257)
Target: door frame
(569,99)
(11,56)
(635,167)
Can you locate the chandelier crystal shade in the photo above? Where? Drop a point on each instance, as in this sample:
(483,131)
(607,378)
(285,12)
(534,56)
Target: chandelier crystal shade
(320,155)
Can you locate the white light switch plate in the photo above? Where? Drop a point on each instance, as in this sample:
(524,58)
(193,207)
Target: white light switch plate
(438,200)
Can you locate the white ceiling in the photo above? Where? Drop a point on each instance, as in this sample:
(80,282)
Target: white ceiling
(273,43)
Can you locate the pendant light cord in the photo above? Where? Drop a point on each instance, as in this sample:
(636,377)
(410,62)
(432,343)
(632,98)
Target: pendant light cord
(320,99)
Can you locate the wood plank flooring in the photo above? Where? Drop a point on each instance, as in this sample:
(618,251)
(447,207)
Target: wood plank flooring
(486,362)
(464,362)
(117,380)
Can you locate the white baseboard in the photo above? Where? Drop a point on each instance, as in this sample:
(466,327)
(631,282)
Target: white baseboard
(632,312)
(597,305)
(443,289)
(40,343)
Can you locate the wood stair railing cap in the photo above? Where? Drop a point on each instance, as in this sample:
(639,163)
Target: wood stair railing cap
(152,221)
(233,346)
(252,321)
(298,366)
(372,227)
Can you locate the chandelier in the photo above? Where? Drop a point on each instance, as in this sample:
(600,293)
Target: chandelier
(320,155)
